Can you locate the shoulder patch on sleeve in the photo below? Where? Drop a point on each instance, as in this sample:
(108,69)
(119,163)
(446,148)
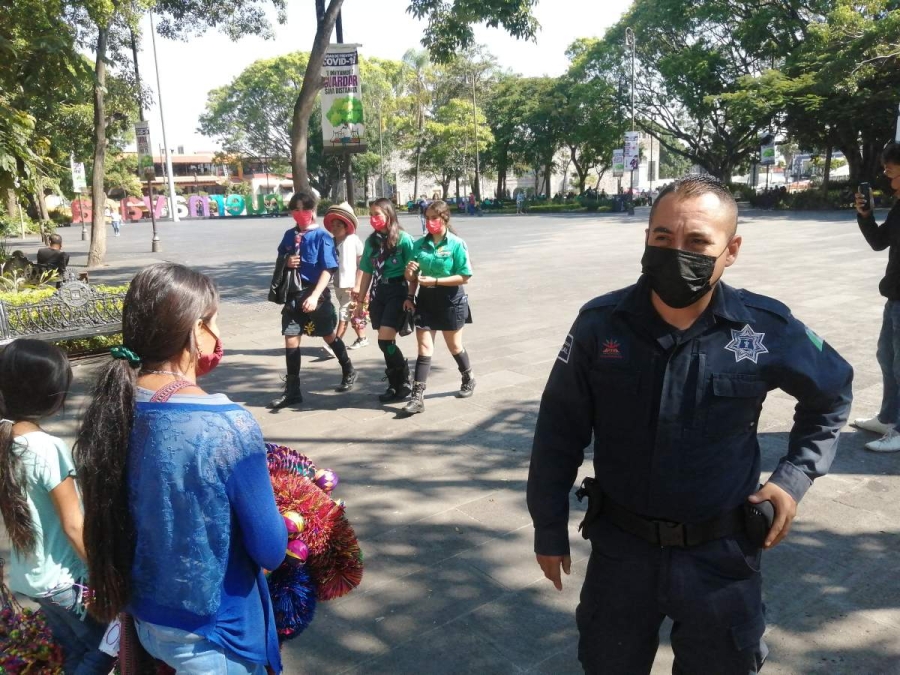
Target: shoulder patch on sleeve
(566,350)
(608,300)
(766,304)
(815,339)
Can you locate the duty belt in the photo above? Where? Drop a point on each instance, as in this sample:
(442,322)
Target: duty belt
(667,533)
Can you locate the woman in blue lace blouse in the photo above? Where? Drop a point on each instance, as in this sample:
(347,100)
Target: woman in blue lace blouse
(180,518)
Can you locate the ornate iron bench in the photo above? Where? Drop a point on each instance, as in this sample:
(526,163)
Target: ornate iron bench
(76,310)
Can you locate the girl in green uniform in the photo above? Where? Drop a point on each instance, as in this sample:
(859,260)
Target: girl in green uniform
(439,269)
(385,256)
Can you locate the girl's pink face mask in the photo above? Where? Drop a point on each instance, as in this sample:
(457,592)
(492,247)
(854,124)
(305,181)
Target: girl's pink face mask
(303,218)
(434,225)
(379,223)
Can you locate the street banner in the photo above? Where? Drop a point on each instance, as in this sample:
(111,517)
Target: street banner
(343,127)
(632,150)
(79,178)
(767,152)
(618,163)
(145,154)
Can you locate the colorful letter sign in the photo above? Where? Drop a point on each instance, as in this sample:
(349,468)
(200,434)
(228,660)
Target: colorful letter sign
(343,126)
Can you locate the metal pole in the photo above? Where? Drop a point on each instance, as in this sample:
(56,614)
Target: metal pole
(629,41)
(475,127)
(381,151)
(173,211)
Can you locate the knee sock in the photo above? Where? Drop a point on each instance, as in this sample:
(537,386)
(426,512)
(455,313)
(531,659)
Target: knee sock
(340,351)
(393,357)
(292,358)
(423,367)
(462,360)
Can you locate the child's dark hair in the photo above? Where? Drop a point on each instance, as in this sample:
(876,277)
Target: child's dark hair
(303,200)
(34,381)
(441,209)
(393,233)
(891,154)
(160,312)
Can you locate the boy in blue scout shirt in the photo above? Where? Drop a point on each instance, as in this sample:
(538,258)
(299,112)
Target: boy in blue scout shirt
(308,251)
(668,376)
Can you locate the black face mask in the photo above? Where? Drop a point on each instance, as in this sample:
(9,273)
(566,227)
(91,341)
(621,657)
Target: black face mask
(679,278)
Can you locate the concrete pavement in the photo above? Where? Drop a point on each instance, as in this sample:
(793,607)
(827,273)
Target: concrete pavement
(437,500)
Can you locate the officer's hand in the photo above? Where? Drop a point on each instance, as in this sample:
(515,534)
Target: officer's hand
(862,205)
(311,302)
(293,262)
(785,510)
(550,565)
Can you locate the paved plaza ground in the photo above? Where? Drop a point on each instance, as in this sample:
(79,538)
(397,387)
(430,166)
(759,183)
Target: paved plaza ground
(438,500)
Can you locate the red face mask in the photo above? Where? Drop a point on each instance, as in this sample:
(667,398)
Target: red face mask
(303,218)
(379,223)
(207,362)
(434,225)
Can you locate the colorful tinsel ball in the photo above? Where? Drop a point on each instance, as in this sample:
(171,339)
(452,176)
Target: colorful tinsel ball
(294,522)
(293,600)
(326,479)
(297,552)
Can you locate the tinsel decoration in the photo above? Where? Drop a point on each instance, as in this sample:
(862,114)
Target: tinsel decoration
(293,600)
(294,492)
(26,644)
(339,569)
(283,458)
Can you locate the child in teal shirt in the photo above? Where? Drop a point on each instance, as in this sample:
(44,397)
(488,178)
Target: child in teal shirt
(40,505)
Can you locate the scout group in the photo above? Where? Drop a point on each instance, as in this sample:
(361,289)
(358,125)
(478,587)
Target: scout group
(667,377)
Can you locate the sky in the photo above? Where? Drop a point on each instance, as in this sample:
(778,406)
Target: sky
(189,70)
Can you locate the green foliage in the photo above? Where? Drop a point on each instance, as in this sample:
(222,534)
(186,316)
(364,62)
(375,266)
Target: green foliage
(91,345)
(345,110)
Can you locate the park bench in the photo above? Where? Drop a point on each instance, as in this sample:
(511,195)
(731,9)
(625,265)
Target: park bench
(76,311)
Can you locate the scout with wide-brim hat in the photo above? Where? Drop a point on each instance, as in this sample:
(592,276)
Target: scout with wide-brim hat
(344,213)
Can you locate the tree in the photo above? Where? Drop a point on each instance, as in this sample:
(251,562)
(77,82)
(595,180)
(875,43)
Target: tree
(416,67)
(449,32)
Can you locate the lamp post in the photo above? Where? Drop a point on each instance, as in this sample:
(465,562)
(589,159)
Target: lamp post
(629,42)
(173,211)
(381,151)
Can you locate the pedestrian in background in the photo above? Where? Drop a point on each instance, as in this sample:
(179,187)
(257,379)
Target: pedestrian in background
(880,237)
(116,217)
(386,253)
(180,517)
(520,202)
(669,377)
(40,503)
(439,269)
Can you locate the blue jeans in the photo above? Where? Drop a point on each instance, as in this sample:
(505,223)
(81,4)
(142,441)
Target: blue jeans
(76,632)
(191,654)
(888,355)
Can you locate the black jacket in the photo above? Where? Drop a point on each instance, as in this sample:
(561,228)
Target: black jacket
(881,237)
(673,415)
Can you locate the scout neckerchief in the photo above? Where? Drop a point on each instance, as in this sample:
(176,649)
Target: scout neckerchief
(378,262)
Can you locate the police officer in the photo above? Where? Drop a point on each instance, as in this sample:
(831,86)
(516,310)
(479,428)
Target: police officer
(669,376)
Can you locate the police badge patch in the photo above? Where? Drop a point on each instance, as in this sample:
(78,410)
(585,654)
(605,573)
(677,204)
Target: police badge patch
(746,344)
(566,350)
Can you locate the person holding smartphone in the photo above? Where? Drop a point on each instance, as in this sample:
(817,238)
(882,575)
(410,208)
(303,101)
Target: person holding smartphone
(880,237)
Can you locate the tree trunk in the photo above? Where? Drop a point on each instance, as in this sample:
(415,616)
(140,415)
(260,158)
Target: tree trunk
(348,176)
(12,204)
(548,172)
(418,148)
(827,177)
(98,199)
(306,99)
(41,202)
(457,186)
(501,174)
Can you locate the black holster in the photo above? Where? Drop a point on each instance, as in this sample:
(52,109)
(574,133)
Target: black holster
(590,489)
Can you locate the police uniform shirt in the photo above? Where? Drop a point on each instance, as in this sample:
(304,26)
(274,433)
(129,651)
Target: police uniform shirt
(673,414)
(317,252)
(394,264)
(446,259)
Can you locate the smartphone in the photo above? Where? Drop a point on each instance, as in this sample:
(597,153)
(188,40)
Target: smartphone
(866,191)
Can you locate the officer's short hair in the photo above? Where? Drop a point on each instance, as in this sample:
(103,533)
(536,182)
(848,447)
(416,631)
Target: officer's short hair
(697,186)
(891,154)
(55,239)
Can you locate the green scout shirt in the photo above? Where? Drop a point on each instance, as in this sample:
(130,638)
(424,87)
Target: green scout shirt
(449,258)
(394,264)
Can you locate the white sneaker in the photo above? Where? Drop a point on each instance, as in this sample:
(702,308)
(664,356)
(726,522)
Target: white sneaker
(890,442)
(872,424)
(360,342)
